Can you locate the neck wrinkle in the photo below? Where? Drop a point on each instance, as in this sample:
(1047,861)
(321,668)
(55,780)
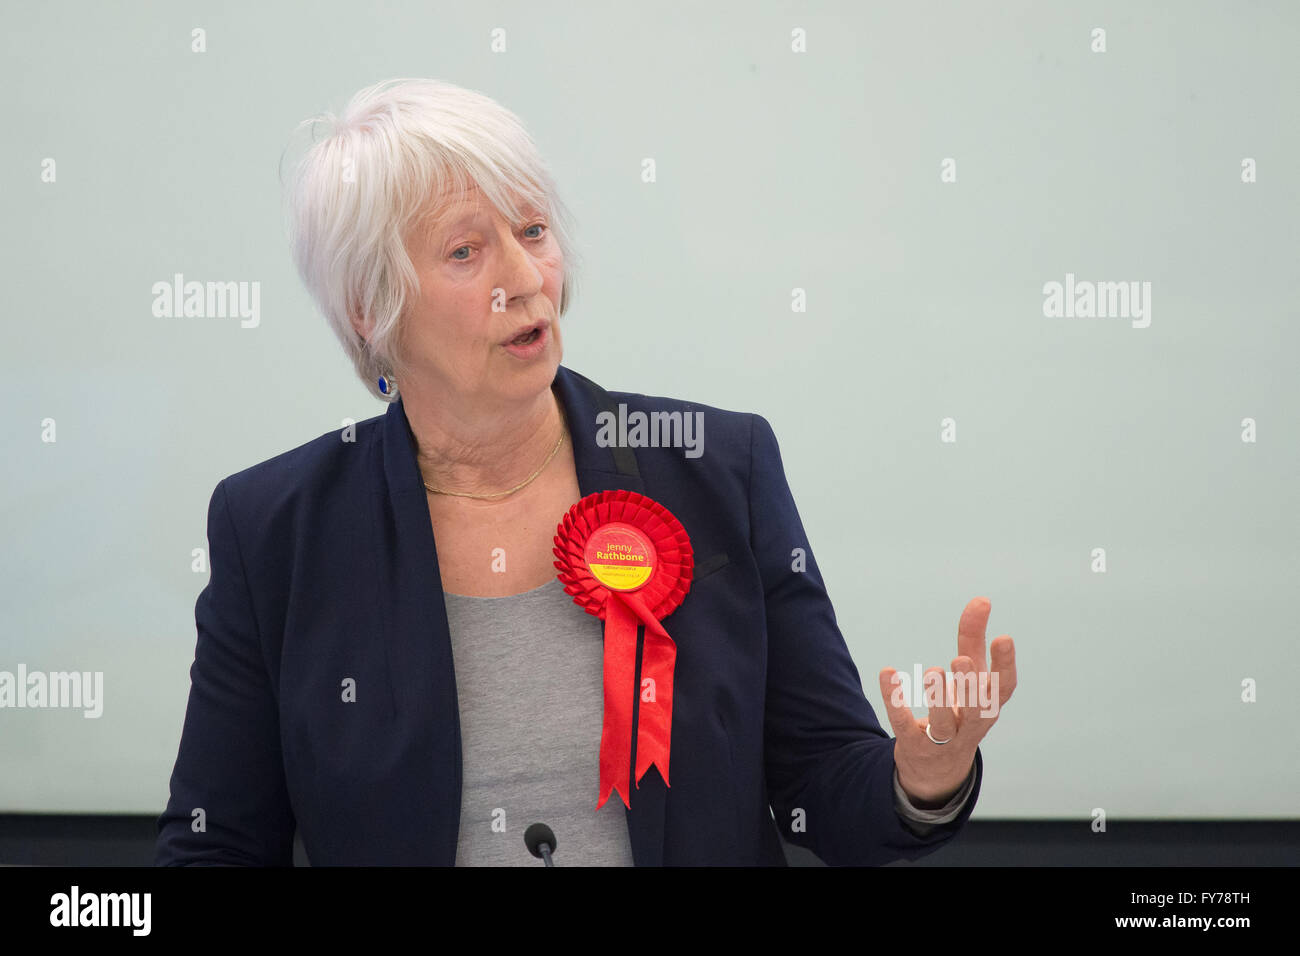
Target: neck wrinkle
(479,465)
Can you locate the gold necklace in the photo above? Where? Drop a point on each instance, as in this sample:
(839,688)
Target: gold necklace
(501,494)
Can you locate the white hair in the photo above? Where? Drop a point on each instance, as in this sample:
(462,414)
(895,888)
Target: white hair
(357,195)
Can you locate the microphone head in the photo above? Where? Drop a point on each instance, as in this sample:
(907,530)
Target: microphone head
(535,836)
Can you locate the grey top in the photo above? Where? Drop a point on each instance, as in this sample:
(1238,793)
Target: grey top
(529,683)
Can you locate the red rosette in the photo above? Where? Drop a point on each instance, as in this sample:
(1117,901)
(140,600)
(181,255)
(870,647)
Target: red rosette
(627,560)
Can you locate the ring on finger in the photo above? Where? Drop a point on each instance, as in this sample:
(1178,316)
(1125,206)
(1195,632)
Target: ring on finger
(931,736)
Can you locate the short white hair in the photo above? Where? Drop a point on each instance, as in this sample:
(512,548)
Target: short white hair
(358,194)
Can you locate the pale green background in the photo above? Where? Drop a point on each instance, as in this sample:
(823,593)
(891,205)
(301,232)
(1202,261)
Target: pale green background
(776,170)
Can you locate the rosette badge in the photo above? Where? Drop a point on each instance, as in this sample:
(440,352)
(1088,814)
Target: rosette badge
(625,559)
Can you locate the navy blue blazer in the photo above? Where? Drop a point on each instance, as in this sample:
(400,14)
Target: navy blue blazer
(324,567)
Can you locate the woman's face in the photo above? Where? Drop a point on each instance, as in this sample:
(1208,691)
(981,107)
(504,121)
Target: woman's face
(482,282)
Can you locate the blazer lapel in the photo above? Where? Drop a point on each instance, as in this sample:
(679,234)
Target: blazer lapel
(415,616)
(606,469)
(410,606)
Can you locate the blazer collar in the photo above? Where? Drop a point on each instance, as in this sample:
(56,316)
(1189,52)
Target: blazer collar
(422,616)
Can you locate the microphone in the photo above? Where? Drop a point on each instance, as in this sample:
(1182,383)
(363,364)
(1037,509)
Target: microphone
(540,841)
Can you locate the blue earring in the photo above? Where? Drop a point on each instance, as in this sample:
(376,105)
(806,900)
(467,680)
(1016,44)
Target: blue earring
(387,386)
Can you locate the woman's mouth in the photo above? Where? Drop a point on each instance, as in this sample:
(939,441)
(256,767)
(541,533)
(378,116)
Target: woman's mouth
(529,344)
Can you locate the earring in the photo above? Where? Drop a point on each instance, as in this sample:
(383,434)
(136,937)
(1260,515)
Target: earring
(387,386)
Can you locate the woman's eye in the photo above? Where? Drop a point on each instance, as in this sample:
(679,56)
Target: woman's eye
(466,249)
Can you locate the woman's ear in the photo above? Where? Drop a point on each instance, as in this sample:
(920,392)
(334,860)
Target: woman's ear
(359,326)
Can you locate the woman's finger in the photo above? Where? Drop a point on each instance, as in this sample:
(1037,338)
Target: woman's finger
(943,720)
(896,706)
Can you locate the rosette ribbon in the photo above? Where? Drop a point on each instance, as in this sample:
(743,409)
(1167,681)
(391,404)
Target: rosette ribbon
(627,560)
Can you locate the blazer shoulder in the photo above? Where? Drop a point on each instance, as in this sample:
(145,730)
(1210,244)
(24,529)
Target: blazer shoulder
(330,461)
(722,422)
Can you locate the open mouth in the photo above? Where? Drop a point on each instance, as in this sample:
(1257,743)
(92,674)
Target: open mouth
(527,338)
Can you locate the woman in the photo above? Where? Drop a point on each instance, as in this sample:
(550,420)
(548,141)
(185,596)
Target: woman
(348,574)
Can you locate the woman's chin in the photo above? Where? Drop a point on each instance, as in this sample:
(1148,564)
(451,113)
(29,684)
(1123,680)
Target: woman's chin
(530,377)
